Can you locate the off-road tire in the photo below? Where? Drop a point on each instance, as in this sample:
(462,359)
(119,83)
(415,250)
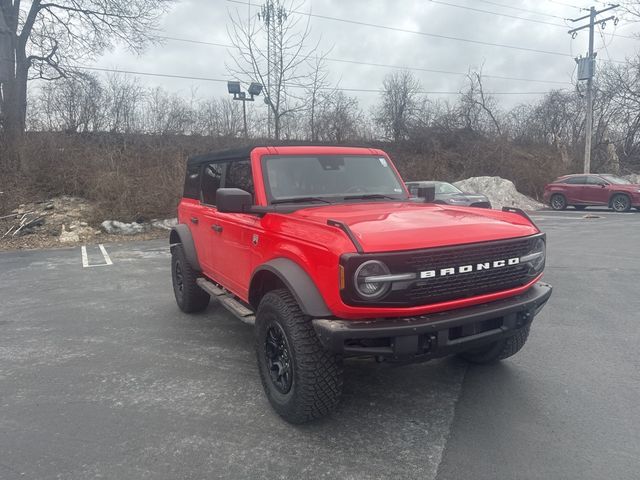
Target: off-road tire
(316,378)
(621,203)
(499,350)
(558,201)
(579,207)
(189,296)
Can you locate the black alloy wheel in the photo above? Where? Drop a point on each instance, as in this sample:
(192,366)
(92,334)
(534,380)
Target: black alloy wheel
(276,349)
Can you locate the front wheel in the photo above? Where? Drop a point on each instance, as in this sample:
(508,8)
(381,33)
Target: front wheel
(558,201)
(301,379)
(498,350)
(621,203)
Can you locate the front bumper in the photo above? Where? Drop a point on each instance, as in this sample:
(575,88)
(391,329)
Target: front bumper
(434,335)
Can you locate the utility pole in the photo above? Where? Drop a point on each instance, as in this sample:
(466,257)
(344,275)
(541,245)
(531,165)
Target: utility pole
(586,70)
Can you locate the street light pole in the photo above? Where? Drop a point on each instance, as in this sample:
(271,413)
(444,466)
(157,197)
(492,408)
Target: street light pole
(234,89)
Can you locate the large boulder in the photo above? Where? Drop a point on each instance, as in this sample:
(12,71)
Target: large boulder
(501,192)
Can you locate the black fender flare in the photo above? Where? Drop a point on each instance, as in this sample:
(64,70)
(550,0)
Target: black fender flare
(299,284)
(181,235)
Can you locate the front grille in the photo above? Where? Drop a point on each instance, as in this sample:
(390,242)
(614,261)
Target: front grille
(449,287)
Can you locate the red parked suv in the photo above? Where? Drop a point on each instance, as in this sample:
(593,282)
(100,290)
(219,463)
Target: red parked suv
(582,191)
(325,252)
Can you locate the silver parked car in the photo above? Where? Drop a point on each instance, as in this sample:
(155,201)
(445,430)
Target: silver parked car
(450,194)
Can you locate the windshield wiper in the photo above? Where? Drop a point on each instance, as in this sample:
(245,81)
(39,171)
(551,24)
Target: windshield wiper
(367,196)
(299,200)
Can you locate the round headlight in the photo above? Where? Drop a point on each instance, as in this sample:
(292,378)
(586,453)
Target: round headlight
(371,290)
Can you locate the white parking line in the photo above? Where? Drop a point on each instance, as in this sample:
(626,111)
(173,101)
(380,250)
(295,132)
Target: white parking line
(105,255)
(85,260)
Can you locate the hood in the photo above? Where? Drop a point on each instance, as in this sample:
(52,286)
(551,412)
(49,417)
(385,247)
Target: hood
(633,187)
(466,195)
(391,226)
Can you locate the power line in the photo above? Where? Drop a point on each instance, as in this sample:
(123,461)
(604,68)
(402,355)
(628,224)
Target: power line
(560,25)
(520,9)
(567,4)
(416,32)
(343,89)
(479,10)
(383,65)
(426,34)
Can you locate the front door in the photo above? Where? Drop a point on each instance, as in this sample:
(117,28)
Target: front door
(207,242)
(595,191)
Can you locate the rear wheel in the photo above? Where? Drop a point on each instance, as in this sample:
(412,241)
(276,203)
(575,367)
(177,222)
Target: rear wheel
(301,379)
(621,203)
(498,350)
(558,201)
(189,296)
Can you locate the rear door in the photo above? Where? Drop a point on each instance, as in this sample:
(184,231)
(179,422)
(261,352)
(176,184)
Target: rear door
(595,191)
(573,187)
(190,209)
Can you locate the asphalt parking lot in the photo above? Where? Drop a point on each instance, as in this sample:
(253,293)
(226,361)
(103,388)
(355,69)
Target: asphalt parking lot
(101,376)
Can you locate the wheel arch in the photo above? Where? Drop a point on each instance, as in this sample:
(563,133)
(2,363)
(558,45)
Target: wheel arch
(283,272)
(613,195)
(181,235)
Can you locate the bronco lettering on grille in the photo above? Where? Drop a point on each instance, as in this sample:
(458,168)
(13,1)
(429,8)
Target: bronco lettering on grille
(443,272)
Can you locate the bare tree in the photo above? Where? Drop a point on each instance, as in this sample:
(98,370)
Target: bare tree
(475,102)
(271,50)
(124,97)
(42,39)
(74,104)
(316,92)
(399,104)
(220,118)
(339,118)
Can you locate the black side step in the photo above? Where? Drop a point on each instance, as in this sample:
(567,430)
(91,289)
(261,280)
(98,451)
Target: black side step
(227,300)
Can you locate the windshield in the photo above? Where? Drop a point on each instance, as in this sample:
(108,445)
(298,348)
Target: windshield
(444,187)
(330,177)
(616,180)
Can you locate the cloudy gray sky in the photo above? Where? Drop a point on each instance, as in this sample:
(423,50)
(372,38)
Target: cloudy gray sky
(206,20)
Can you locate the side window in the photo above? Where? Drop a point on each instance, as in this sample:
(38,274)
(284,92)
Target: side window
(595,181)
(192,182)
(211,178)
(576,181)
(239,176)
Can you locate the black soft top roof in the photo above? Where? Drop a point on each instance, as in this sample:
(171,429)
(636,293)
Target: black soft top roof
(221,155)
(243,153)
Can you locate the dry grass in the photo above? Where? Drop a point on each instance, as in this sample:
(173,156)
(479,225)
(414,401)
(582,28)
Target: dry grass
(139,177)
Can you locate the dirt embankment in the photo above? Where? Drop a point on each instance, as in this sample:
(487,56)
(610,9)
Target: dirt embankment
(67,221)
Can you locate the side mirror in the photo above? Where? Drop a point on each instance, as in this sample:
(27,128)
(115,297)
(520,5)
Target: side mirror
(233,200)
(603,185)
(427,193)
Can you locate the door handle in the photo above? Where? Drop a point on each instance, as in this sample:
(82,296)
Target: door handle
(194,220)
(216,228)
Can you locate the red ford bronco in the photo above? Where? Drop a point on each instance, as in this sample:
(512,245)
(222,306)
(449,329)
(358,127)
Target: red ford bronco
(325,251)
